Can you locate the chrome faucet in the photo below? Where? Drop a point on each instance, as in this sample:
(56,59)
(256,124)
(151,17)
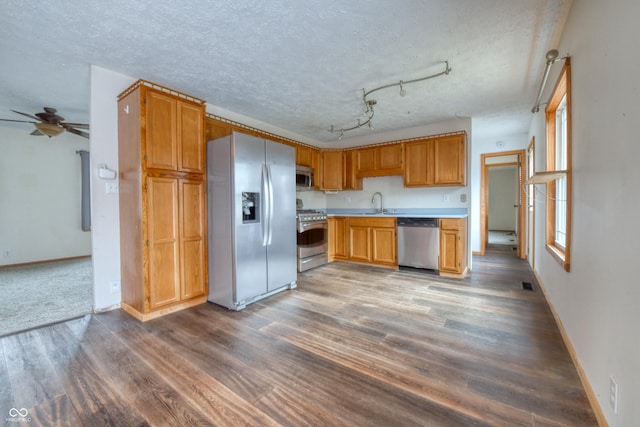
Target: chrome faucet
(373,199)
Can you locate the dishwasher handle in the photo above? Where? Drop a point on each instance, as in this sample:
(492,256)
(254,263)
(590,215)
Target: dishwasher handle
(418,222)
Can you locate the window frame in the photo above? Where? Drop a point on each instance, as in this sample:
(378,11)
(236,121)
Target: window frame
(561,90)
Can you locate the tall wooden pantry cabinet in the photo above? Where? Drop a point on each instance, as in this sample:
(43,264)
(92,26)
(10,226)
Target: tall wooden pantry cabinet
(162,162)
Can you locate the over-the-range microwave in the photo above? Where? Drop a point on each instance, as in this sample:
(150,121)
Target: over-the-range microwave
(304,178)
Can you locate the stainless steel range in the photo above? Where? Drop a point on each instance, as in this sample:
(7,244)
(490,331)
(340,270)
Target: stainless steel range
(313,238)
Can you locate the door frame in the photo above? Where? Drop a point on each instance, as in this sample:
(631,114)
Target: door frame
(484,186)
(531,209)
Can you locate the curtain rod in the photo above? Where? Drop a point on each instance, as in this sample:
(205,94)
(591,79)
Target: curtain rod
(552,56)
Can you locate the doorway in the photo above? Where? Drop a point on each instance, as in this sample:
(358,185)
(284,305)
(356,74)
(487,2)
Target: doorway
(46,269)
(502,211)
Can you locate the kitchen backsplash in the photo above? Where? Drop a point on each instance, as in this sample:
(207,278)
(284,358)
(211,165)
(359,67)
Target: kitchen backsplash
(394,195)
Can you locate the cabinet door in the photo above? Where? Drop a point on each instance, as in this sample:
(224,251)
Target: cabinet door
(418,158)
(449,160)
(163,242)
(304,156)
(331,231)
(366,160)
(391,158)
(191,153)
(192,238)
(332,170)
(161,142)
(383,246)
(450,251)
(341,249)
(360,243)
(316,164)
(351,180)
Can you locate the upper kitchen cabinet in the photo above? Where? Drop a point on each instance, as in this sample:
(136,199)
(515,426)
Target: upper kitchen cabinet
(217,129)
(439,161)
(449,155)
(307,156)
(175,132)
(332,170)
(351,180)
(163,221)
(382,160)
(304,156)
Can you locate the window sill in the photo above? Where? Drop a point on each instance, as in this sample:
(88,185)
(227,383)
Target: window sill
(559,256)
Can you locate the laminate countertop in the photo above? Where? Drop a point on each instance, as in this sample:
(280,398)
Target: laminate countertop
(402,212)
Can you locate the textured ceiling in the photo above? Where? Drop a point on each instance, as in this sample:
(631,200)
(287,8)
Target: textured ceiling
(299,65)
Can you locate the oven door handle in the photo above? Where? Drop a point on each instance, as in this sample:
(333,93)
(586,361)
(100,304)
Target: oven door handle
(313,226)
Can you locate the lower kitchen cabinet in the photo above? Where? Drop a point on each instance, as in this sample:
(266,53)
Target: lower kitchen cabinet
(453,247)
(338,238)
(373,241)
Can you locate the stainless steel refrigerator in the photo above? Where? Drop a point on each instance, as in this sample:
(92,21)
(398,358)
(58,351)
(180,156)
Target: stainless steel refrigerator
(252,223)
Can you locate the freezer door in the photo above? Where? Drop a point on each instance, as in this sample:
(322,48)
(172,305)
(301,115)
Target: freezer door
(250,251)
(281,248)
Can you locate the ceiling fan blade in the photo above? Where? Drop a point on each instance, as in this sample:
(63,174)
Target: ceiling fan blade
(75,125)
(19,121)
(36,133)
(78,132)
(25,114)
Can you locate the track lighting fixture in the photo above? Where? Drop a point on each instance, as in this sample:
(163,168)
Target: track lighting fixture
(369,103)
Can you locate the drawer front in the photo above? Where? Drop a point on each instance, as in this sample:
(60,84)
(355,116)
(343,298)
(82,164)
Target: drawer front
(372,222)
(450,223)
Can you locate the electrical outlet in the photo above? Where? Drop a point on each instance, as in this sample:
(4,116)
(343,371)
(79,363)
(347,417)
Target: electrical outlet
(112,188)
(463,198)
(6,254)
(445,198)
(613,394)
(115,287)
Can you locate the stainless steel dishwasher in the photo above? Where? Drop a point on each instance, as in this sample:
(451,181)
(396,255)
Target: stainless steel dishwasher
(418,242)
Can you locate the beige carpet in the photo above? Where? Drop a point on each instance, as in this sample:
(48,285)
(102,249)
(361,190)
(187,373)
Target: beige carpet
(39,294)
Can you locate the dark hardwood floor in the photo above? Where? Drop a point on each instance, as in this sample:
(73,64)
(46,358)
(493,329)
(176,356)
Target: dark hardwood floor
(352,346)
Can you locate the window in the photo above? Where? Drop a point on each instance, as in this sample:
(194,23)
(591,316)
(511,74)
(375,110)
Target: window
(558,121)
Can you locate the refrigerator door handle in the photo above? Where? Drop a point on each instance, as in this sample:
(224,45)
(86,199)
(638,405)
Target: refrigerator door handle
(270,207)
(266,219)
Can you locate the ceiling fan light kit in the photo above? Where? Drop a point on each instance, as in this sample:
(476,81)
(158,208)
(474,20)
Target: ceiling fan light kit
(49,129)
(369,103)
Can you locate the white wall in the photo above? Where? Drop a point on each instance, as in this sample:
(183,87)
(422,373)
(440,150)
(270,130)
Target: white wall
(598,301)
(105,88)
(487,146)
(502,196)
(40,194)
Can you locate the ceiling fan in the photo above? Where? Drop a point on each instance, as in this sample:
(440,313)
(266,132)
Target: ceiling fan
(50,124)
